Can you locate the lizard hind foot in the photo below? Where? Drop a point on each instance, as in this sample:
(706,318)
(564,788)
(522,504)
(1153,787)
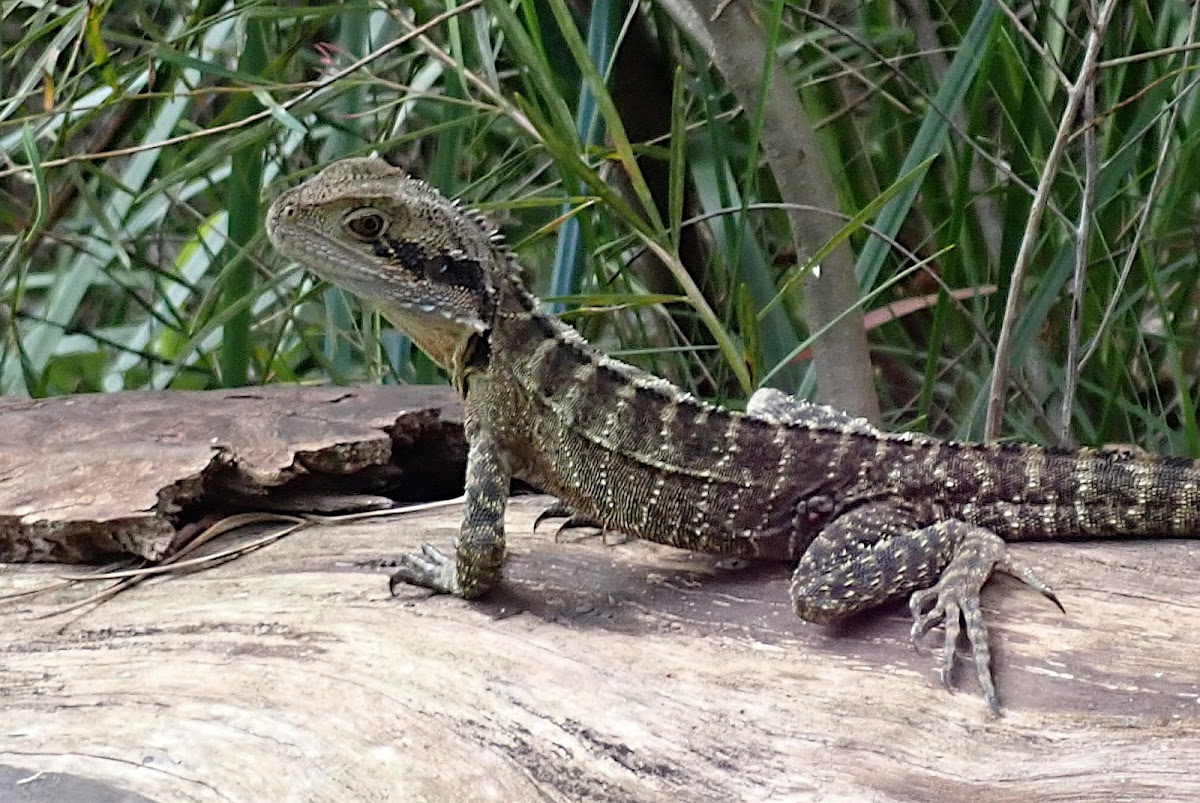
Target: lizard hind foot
(573,521)
(954,600)
(558,510)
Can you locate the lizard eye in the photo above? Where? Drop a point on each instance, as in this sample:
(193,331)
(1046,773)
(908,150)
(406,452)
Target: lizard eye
(366,225)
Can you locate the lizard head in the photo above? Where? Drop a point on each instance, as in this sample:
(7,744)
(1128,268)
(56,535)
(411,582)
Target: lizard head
(428,265)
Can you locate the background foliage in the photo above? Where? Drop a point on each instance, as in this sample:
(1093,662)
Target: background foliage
(140,142)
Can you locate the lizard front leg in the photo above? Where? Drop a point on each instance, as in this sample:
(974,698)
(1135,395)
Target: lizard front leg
(479,551)
(877,552)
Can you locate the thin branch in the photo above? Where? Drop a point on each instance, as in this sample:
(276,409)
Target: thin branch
(891,64)
(1047,57)
(1149,54)
(472,78)
(1082,235)
(995,407)
(1156,183)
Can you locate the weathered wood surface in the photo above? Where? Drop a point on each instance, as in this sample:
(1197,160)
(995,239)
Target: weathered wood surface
(84,477)
(631,672)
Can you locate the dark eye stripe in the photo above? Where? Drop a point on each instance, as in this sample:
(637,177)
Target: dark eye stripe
(436,268)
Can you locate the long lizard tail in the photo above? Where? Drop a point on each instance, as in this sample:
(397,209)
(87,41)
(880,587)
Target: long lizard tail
(1089,494)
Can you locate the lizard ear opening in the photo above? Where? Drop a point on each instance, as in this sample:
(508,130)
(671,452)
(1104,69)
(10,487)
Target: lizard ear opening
(365,224)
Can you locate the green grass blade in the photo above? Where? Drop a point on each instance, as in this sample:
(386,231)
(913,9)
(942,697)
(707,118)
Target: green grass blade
(930,139)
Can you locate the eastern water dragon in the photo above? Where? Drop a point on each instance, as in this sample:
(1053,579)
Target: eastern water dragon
(867,515)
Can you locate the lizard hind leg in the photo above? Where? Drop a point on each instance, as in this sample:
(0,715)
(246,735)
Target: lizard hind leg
(877,552)
(861,559)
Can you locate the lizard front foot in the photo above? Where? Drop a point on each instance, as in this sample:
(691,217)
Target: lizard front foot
(954,599)
(428,568)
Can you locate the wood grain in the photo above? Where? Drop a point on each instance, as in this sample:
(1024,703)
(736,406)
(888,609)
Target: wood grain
(631,672)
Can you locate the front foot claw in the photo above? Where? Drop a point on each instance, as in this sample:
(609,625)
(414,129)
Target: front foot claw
(428,568)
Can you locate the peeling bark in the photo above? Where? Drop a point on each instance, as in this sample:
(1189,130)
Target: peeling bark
(86,478)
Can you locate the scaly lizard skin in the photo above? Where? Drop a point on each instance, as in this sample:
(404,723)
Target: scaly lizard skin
(868,515)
